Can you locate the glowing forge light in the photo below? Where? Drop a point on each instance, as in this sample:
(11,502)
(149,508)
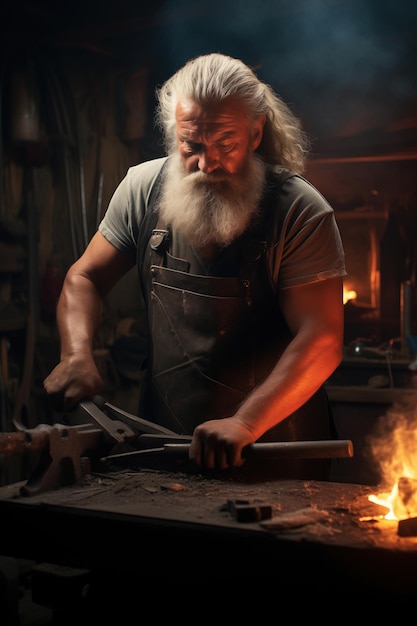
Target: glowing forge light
(394,448)
(348,293)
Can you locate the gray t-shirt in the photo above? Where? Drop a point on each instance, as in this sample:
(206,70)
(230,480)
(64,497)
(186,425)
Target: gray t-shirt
(306,248)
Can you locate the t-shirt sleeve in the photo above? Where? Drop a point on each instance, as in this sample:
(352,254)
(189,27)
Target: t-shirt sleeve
(121,222)
(308,246)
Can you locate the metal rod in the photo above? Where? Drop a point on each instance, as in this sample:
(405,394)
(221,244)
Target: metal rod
(331,449)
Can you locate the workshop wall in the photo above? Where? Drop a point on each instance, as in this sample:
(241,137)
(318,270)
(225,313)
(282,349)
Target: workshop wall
(72,125)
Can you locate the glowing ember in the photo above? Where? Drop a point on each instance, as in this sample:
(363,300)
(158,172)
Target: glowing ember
(395,450)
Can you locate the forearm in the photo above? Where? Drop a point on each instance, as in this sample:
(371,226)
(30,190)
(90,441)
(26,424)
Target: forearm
(301,371)
(79,313)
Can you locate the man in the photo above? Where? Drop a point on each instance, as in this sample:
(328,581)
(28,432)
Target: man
(241,276)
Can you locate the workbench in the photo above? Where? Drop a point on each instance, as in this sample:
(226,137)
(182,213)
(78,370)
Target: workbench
(128,527)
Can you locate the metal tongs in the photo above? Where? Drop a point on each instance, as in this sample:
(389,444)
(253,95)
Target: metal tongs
(148,438)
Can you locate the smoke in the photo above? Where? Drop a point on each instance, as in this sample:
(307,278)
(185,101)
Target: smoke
(329,59)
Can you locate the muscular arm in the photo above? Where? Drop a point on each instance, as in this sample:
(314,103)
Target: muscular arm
(315,315)
(79,312)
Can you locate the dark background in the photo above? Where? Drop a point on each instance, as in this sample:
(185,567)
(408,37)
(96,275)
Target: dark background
(348,67)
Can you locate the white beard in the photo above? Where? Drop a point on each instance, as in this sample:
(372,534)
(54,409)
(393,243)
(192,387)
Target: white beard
(211,208)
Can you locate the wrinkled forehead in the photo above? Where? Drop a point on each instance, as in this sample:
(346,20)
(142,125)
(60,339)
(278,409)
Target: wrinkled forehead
(213,117)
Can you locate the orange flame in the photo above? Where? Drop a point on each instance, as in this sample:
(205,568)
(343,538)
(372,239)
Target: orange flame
(395,449)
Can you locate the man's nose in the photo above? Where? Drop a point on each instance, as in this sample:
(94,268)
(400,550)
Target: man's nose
(208,161)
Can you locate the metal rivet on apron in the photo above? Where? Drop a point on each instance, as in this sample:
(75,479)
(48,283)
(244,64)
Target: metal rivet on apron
(158,239)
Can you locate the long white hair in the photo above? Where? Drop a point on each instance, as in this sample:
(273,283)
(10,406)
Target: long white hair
(217,77)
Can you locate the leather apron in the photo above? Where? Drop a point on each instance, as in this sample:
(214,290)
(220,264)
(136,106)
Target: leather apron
(213,338)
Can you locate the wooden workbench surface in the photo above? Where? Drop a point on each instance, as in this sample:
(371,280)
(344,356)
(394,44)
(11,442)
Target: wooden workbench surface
(114,521)
(327,512)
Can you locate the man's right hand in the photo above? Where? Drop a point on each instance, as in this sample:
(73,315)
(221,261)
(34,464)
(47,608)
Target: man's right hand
(73,379)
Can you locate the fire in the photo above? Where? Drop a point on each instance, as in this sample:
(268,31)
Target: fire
(401,501)
(394,448)
(349,294)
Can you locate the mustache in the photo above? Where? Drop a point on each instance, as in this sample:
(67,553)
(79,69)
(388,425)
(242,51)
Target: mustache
(202,178)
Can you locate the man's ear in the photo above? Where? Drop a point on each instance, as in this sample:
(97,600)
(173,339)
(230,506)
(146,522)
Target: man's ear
(257,131)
